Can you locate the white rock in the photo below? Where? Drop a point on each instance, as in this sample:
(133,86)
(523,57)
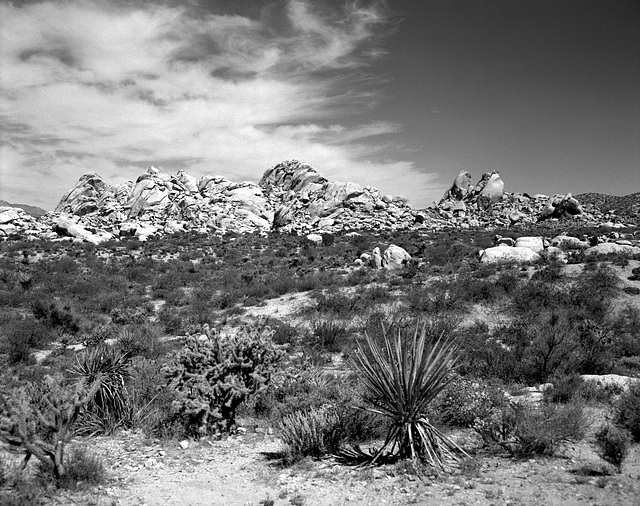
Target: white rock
(9,215)
(535,244)
(314,238)
(607,248)
(395,257)
(503,253)
(376,258)
(568,242)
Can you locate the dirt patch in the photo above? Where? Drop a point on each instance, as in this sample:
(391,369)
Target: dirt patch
(240,471)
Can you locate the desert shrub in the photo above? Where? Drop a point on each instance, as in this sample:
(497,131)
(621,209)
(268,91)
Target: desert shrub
(613,444)
(436,298)
(535,347)
(462,402)
(171,319)
(55,317)
(303,387)
(374,294)
(283,332)
(627,411)
(336,303)
(631,290)
(22,336)
(131,315)
(214,376)
(329,335)
(571,387)
(313,433)
(536,296)
(471,289)
(82,468)
(525,429)
(549,273)
(508,281)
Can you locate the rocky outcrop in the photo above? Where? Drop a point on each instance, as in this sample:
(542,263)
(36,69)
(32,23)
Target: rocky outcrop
(305,201)
(291,197)
(461,187)
(167,203)
(489,205)
(15,221)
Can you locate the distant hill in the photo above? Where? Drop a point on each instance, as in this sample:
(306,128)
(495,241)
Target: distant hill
(627,206)
(34,211)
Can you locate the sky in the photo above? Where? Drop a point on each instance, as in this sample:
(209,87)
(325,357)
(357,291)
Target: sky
(397,94)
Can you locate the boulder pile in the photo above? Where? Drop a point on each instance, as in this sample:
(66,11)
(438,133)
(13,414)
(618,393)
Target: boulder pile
(15,221)
(306,201)
(291,197)
(560,248)
(392,258)
(487,204)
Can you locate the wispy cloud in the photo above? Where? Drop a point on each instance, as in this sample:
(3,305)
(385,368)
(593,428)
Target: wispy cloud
(110,87)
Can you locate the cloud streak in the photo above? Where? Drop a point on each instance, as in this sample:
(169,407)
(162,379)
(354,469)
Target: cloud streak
(107,87)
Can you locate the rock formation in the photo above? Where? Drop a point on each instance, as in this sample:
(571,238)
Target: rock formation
(291,197)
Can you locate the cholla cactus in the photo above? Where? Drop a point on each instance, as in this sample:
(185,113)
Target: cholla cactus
(43,424)
(214,374)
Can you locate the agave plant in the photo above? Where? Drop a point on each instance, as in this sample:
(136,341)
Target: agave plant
(401,377)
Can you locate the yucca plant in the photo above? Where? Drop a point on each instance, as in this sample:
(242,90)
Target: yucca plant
(107,409)
(402,376)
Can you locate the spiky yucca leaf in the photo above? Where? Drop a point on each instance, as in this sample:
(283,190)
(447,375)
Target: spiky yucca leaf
(402,376)
(107,408)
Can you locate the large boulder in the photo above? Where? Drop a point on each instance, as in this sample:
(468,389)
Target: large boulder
(461,187)
(501,254)
(66,226)
(493,189)
(84,196)
(533,243)
(395,257)
(9,214)
(376,258)
(567,242)
(607,248)
(561,206)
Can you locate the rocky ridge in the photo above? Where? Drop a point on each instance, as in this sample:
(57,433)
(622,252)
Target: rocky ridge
(291,197)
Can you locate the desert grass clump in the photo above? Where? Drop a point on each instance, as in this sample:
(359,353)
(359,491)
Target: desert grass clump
(329,335)
(613,445)
(314,433)
(83,468)
(402,377)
